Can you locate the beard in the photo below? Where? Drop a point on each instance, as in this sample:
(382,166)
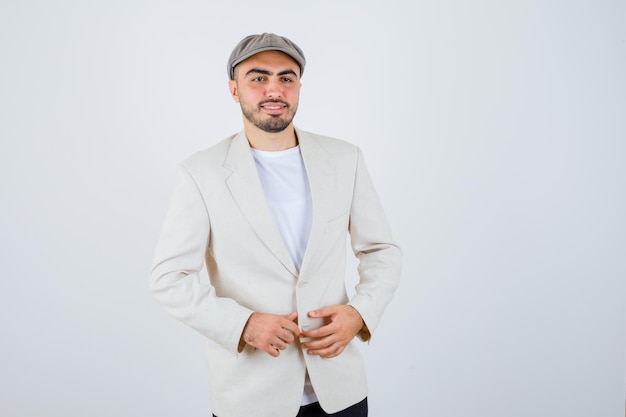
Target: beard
(269,123)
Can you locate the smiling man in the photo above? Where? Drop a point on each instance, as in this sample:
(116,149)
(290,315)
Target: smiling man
(262,92)
(268,212)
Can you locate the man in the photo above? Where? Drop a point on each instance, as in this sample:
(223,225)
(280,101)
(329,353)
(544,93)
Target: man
(268,211)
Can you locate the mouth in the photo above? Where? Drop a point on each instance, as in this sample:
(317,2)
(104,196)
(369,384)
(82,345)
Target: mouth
(274,107)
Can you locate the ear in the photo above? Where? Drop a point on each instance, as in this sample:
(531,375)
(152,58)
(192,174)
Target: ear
(232,86)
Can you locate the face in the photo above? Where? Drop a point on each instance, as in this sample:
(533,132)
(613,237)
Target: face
(267,87)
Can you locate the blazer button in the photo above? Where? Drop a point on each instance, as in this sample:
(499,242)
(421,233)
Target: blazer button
(301,284)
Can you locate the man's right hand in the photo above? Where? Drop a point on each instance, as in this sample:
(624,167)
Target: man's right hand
(270,332)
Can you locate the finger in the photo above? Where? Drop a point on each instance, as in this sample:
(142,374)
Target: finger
(272,351)
(318,344)
(328,352)
(323,331)
(334,354)
(279,344)
(291,328)
(323,312)
(290,324)
(287,335)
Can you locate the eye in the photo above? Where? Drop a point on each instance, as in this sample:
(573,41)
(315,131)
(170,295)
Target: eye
(287,80)
(258,79)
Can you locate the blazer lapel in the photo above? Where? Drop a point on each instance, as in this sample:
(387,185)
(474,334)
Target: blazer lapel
(245,187)
(320,174)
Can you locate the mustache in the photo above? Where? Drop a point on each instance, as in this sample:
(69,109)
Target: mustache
(274,101)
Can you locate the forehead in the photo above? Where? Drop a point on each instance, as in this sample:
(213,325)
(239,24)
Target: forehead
(274,61)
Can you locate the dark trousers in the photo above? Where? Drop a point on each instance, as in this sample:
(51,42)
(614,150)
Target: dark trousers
(314,410)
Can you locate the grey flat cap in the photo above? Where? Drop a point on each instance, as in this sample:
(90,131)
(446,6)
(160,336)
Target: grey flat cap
(253,44)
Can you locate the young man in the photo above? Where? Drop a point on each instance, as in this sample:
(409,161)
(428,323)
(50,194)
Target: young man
(268,211)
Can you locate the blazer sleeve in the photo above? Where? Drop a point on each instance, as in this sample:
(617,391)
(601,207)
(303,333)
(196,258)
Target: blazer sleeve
(379,257)
(179,259)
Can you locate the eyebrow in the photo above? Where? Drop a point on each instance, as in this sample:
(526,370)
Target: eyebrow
(266,72)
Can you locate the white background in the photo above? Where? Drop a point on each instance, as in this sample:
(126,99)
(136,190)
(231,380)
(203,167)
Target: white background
(494,130)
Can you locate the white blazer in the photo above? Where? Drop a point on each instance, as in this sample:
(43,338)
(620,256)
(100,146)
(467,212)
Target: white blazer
(218,217)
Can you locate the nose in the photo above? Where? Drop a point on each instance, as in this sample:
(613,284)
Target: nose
(274,89)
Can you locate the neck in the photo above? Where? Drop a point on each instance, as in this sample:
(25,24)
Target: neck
(266,141)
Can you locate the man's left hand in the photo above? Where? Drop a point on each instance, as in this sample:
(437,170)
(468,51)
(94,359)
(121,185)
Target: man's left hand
(328,341)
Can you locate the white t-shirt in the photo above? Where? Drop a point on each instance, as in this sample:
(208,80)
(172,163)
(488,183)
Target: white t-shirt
(288,196)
